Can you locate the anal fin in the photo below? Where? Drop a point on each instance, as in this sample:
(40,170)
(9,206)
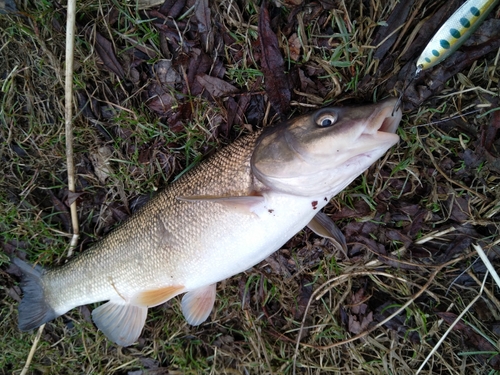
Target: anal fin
(121,323)
(197,304)
(154,297)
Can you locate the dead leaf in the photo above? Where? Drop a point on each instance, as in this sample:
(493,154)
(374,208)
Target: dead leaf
(165,73)
(62,209)
(100,161)
(456,247)
(161,102)
(273,65)
(106,52)
(202,12)
(359,317)
(172,8)
(294,46)
(72,197)
(199,64)
(7,6)
(216,86)
(395,20)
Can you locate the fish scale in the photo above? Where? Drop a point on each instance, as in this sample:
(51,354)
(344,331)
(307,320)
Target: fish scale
(126,249)
(222,217)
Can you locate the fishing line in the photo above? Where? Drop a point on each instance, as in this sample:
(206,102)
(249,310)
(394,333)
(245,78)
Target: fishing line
(401,93)
(447,119)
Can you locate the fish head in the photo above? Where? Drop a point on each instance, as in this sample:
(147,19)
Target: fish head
(322,152)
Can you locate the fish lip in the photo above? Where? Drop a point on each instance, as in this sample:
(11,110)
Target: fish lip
(385,120)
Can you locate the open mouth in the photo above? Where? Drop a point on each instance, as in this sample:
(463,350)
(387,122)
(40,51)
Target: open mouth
(385,120)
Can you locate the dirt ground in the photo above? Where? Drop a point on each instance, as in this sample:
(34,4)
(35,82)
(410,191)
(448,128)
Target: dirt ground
(160,87)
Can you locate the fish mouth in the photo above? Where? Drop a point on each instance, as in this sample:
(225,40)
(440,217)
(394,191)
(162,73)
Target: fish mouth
(385,121)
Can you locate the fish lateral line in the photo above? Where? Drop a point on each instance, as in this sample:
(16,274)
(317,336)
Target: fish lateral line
(247,204)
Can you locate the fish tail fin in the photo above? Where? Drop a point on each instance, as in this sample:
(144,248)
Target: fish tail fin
(33,309)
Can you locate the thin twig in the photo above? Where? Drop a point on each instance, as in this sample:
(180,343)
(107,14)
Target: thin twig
(32,350)
(68,117)
(487,263)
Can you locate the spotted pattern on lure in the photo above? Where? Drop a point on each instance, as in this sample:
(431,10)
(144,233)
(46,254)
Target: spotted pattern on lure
(454,32)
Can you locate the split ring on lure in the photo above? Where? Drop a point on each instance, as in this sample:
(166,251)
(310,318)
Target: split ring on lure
(454,32)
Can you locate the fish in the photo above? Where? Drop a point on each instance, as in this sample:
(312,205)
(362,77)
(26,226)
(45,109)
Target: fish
(221,218)
(454,32)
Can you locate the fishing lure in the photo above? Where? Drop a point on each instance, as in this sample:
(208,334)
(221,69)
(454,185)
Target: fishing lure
(454,32)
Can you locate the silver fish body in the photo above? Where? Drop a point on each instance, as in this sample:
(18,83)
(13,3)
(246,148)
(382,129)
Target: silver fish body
(221,218)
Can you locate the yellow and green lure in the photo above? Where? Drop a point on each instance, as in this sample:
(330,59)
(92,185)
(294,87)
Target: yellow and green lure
(454,32)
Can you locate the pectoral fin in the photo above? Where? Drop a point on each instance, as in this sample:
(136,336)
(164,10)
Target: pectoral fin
(245,204)
(121,323)
(197,304)
(323,226)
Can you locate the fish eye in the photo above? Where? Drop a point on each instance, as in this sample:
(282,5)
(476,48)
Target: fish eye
(325,120)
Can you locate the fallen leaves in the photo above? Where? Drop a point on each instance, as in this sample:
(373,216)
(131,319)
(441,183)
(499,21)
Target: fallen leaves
(359,316)
(105,50)
(273,65)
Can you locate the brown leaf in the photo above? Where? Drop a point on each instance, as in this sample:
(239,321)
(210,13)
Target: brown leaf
(294,45)
(456,247)
(360,317)
(199,63)
(361,208)
(7,6)
(395,20)
(106,52)
(72,197)
(273,65)
(216,86)
(165,73)
(488,135)
(172,8)
(100,161)
(202,12)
